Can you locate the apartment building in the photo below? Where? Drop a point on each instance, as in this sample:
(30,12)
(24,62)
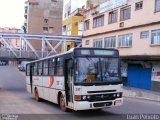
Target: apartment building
(14,43)
(73,17)
(132,27)
(43,17)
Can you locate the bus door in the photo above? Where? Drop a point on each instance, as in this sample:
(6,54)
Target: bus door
(69,82)
(31,78)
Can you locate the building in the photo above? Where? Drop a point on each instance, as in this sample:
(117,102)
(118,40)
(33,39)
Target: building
(72,20)
(43,17)
(73,17)
(14,43)
(132,27)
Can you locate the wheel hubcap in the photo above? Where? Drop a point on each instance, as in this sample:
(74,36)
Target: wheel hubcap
(62,103)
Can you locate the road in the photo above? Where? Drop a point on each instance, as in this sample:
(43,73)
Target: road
(14,99)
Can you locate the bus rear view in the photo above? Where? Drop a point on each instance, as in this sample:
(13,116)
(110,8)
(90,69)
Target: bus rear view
(97,79)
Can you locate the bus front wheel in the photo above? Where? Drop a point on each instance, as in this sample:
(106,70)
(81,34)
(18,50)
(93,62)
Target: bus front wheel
(62,103)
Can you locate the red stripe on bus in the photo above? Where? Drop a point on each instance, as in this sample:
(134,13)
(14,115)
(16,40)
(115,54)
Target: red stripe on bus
(51,81)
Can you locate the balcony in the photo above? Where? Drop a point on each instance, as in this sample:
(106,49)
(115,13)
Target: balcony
(77,12)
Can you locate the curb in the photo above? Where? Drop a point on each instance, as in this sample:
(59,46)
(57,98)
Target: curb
(141,94)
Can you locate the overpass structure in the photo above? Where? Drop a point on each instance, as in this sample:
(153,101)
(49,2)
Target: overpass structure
(27,50)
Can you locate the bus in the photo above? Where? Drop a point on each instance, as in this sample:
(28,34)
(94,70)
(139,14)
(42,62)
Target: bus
(79,79)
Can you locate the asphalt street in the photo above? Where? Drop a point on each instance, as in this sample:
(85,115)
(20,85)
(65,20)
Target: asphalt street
(14,99)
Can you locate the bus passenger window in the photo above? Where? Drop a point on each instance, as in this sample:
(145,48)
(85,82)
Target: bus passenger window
(28,70)
(59,67)
(40,68)
(35,69)
(45,67)
(51,66)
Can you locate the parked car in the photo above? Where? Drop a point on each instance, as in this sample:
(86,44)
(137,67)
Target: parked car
(22,66)
(3,63)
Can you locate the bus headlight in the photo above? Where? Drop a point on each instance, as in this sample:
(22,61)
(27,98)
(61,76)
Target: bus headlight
(114,95)
(118,94)
(84,97)
(88,97)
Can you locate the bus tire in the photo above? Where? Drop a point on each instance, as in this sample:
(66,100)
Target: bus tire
(62,103)
(36,95)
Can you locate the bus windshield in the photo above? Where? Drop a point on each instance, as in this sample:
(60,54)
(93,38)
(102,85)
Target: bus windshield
(97,70)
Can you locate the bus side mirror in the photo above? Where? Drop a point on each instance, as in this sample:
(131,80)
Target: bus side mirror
(70,64)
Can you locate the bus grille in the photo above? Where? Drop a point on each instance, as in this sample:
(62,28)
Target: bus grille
(102,97)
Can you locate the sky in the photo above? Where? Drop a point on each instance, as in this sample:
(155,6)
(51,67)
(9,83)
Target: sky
(12,13)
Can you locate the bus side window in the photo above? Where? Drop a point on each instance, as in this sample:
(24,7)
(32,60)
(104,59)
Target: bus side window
(40,68)
(45,67)
(32,68)
(59,67)
(51,66)
(35,69)
(28,70)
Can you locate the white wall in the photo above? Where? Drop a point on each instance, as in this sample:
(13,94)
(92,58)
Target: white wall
(74,5)
(64,4)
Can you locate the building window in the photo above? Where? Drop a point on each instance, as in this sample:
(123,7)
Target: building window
(157,5)
(69,11)
(69,27)
(45,29)
(87,42)
(86,25)
(125,13)
(144,34)
(125,40)
(26,10)
(155,38)
(97,43)
(139,5)
(80,26)
(45,21)
(50,30)
(110,42)
(98,21)
(113,17)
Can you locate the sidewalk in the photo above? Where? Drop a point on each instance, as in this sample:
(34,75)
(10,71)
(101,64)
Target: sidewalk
(141,94)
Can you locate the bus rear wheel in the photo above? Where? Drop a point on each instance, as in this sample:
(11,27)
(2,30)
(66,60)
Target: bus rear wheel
(62,103)
(37,95)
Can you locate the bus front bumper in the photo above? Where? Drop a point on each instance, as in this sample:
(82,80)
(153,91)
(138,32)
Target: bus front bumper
(84,105)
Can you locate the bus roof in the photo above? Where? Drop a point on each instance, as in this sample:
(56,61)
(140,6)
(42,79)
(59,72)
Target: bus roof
(70,51)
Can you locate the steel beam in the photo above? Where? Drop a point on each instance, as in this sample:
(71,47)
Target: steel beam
(5,42)
(45,39)
(32,48)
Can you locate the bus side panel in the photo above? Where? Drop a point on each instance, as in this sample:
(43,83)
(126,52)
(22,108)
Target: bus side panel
(37,83)
(46,84)
(53,95)
(59,83)
(58,86)
(28,86)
